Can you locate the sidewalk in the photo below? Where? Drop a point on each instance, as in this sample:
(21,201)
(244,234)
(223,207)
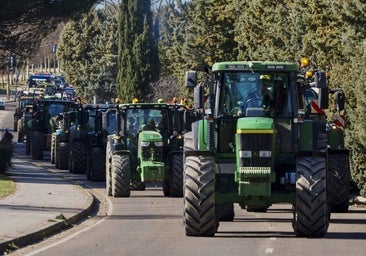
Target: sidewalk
(41,206)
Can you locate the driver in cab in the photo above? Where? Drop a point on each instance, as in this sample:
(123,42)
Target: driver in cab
(261,97)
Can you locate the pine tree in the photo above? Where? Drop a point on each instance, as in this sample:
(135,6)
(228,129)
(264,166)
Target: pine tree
(138,63)
(210,34)
(352,74)
(88,55)
(263,30)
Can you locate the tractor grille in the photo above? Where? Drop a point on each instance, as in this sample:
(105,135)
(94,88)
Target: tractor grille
(255,150)
(152,152)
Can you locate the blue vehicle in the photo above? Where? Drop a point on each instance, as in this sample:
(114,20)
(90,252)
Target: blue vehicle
(41,80)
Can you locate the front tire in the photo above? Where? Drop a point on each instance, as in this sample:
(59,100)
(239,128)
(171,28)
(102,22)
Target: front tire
(96,170)
(108,172)
(338,182)
(36,145)
(199,196)
(20,130)
(27,144)
(78,157)
(176,175)
(225,211)
(53,147)
(311,218)
(62,158)
(121,176)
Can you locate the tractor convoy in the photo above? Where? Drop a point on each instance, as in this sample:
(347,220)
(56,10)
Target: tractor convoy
(257,134)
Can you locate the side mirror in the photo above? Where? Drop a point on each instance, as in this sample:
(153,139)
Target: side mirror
(323,98)
(340,100)
(320,80)
(190,79)
(198,97)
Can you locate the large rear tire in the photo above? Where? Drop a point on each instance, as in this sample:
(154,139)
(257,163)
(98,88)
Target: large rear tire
(78,158)
(53,148)
(96,170)
(20,130)
(138,185)
(108,172)
(62,158)
(311,217)
(16,119)
(199,196)
(176,175)
(338,182)
(27,144)
(121,176)
(225,212)
(36,145)
(166,188)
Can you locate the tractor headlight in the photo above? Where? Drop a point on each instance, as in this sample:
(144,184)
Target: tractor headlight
(145,143)
(245,153)
(158,143)
(265,153)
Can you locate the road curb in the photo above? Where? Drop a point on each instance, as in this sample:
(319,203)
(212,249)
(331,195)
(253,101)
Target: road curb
(53,229)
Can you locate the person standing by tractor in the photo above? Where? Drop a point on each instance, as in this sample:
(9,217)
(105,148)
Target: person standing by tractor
(54,122)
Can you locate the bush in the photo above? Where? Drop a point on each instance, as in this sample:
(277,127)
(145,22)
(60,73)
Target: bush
(6,152)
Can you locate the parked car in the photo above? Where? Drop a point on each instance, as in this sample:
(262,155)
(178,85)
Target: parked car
(2,104)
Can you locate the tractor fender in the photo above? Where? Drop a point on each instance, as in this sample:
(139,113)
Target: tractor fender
(199,133)
(195,142)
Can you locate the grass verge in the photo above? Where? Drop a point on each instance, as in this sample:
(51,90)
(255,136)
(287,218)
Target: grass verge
(7,186)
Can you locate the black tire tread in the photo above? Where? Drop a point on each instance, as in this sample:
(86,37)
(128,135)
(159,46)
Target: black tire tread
(78,161)
(121,176)
(199,196)
(36,145)
(311,218)
(96,167)
(176,175)
(338,182)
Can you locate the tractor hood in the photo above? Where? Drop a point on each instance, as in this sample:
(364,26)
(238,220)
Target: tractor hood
(150,136)
(254,123)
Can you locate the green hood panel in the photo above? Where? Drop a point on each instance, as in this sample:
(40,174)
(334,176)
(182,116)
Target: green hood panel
(150,136)
(255,123)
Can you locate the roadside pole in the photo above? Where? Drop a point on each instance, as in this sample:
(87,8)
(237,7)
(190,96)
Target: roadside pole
(16,83)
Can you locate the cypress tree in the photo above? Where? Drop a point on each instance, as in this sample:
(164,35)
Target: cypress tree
(87,52)
(138,63)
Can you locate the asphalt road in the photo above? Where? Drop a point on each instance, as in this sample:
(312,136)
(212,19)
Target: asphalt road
(147,223)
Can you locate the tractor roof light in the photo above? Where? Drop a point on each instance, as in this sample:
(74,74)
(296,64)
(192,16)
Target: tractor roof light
(304,62)
(309,74)
(327,74)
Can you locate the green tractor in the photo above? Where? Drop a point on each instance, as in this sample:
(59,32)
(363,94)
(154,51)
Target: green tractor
(77,141)
(71,130)
(147,147)
(23,112)
(257,144)
(60,147)
(102,122)
(39,127)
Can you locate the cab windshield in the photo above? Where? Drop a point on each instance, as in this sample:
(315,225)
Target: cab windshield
(146,119)
(254,94)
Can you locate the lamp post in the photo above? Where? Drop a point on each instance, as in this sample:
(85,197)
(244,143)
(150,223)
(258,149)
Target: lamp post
(16,83)
(54,49)
(12,65)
